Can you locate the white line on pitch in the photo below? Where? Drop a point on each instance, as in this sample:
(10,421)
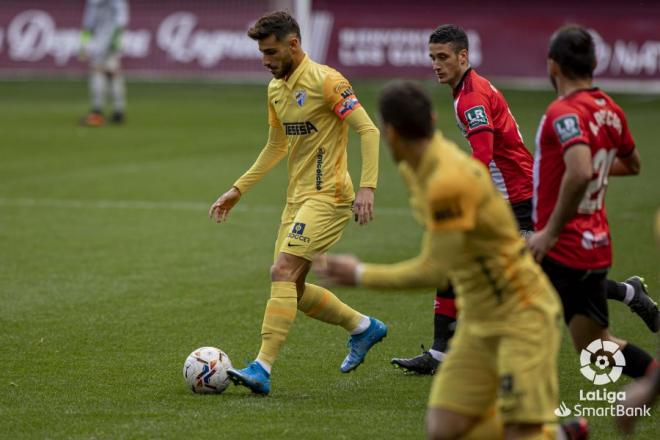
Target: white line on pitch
(143,204)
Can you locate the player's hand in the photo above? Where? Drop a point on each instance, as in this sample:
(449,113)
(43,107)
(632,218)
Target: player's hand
(363,207)
(115,44)
(219,211)
(85,36)
(336,269)
(540,243)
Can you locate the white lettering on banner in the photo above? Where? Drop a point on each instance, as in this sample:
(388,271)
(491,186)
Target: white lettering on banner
(135,44)
(626,57)
(32,35)
(398,47)
(177,36)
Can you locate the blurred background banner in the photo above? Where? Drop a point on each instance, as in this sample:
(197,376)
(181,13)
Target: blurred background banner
(362,39)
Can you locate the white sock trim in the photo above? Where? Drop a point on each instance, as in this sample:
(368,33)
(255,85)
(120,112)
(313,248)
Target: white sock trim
(265,365)
(437,355)
(630,293)
(362,326)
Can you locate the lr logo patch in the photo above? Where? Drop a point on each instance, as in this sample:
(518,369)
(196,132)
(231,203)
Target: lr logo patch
(476,117)
(567,128)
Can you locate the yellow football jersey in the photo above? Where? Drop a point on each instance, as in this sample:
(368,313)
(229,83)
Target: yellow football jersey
(471,237)
(310,108)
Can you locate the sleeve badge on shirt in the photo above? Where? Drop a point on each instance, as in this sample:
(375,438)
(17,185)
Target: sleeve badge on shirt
(349,104)
(301,96)
(567,128)
(476,117)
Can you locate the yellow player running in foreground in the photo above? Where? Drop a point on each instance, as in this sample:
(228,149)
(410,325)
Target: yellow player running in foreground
(499,378)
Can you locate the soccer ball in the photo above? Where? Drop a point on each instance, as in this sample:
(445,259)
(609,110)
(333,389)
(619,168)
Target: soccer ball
(205,370)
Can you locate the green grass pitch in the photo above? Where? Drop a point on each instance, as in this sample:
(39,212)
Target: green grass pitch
(111,272)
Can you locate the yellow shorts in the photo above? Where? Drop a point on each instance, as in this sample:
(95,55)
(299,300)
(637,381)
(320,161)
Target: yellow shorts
(311,228)
(516,370)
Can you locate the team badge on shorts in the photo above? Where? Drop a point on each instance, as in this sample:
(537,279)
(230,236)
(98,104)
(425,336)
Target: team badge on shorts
(298,228)
(301,96)
(297,233)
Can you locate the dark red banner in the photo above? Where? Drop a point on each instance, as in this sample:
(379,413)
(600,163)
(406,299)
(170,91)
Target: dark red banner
(362,39)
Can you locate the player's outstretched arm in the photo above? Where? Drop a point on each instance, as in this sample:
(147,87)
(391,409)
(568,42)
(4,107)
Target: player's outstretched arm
(363,207)
(428,269)
(273,152)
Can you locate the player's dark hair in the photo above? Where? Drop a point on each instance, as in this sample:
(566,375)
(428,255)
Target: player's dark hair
(407,107)
(573,49)
(450,33)
(278,23)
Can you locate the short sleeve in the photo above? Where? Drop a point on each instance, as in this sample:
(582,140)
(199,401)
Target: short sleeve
(339,95)
(452,204)
(568,128)
(474,112)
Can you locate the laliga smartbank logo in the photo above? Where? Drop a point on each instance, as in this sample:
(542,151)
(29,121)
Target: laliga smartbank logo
(601,363)
(607,357)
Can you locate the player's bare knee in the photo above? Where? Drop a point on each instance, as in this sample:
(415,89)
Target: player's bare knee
(280,271)
(289,268)
(442,426)
(515,431)
(437,431)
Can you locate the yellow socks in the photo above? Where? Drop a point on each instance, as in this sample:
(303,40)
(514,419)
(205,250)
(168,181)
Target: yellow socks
(316,302)
(278,317)
(319,303)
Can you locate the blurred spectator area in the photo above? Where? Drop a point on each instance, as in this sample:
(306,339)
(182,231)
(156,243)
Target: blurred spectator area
(366,39)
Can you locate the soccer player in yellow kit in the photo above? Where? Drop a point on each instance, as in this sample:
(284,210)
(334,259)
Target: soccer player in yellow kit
(310,107)
(499,378)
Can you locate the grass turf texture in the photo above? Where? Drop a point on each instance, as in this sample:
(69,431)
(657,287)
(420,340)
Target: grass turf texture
(111,272)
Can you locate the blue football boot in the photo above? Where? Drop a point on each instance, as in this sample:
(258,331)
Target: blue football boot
(253,376)
(361,343)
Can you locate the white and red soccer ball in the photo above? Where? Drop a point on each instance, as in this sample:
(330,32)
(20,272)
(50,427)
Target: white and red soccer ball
(205,370)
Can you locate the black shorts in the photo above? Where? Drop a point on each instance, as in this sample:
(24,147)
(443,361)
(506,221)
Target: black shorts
(582,292)
(523,213)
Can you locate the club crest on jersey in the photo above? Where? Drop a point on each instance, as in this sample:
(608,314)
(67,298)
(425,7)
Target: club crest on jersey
(476,117)
(301,96)
(567,128)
